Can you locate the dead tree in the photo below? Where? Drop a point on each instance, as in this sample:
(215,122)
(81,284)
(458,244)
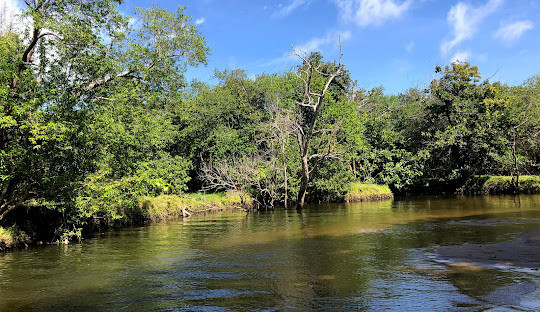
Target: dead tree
(257,174)
(313,98)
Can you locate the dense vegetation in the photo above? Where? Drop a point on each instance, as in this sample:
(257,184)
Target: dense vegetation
(96,118)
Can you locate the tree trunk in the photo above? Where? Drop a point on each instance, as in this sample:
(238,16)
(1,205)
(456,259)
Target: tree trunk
(516,163)
(285,178)
(303,183)
(286,186)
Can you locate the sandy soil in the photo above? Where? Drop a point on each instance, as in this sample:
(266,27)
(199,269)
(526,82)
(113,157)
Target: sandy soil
(523,252)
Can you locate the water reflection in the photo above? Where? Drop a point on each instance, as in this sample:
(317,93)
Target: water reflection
(363,256)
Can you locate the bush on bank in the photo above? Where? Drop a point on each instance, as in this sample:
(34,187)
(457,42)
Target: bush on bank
(165,207)
(367,191)
(12,237)
(494,185)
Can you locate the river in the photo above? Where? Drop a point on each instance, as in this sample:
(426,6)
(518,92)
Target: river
(372,256)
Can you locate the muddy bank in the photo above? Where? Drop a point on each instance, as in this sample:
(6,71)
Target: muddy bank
(523,252)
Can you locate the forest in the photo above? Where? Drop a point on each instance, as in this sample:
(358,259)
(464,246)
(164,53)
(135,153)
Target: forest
(96,115)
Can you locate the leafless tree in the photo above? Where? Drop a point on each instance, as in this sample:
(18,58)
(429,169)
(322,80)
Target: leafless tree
(305,130)
(253,172)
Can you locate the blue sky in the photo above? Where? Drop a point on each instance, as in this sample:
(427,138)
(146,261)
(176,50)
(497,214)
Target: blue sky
(393,43)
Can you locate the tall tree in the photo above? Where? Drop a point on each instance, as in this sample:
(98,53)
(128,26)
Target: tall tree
(316,78)
(454,129)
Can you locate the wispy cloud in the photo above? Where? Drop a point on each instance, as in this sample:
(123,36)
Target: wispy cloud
(510,33)
(371,12)
(288,9)
(315,44)
(461,56)
(409,47)
(464,20)
(402,65)
(199,21)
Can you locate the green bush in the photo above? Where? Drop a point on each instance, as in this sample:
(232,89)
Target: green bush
(492,185)
(368,191)
(12,237)
(117,201)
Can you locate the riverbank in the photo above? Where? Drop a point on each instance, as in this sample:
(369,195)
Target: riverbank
(162,208)
(165,207)
(12,238)
(146,211)
(499,185)
(476,185)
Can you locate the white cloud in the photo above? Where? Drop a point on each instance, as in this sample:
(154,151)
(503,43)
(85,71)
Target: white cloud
(465,19)
(409,47)
(315,44)
(199,21)
(509,33)
(288,9)
(461,56)
(402,66)
(371,12)
(330,39)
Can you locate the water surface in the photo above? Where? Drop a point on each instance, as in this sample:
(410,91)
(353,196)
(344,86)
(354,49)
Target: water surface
(374,256)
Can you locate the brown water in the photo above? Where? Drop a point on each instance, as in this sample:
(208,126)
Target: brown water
(337,257)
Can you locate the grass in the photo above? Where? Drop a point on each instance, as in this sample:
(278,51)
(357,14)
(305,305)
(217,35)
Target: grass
(11,237)
(367,191)
(492,185)
(166,207)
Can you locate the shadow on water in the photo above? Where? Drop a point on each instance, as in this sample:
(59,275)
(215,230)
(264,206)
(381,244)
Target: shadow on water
(363,256)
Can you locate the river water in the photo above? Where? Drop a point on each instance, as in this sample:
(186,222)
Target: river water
(375,256)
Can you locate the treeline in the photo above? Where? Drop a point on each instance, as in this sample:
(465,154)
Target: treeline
(96,113)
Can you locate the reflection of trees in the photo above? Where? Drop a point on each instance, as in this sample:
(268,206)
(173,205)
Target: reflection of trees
(341,256)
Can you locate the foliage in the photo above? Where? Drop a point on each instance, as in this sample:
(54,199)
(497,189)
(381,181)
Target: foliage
(12,237)
(84,95)
(117,200)
(387,155)
(222,121)
(456,127)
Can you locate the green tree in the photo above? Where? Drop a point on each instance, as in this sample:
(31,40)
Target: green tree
(80,62)
(389,154)
(517,112)
(220,122)
(455,129)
